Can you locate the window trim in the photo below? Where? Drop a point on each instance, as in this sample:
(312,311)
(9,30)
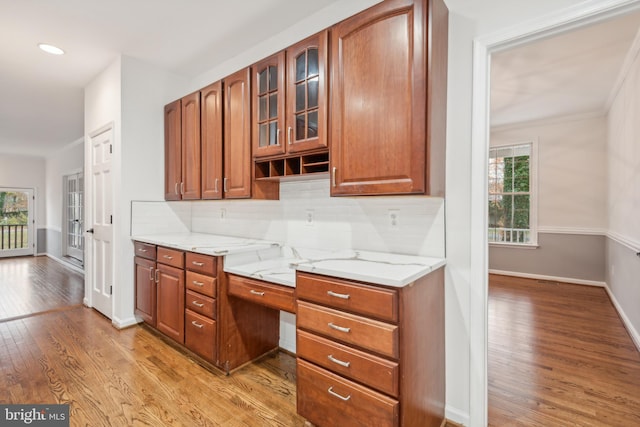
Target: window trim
(533,192)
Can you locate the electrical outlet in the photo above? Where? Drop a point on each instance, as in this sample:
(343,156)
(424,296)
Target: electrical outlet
(223,214)
(394,218)
(309,218)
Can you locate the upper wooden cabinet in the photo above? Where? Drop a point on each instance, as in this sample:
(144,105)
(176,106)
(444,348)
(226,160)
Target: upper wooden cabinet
(182,148)
(388,99)
(237,135)
(289,99)
(211,140)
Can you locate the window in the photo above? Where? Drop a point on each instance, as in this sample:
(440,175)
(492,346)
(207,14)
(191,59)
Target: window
(510,195)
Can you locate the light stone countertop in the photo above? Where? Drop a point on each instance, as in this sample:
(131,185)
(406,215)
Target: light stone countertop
(268,261)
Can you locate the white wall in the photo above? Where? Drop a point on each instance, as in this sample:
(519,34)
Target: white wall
(66,161)
(572,173)
(623,266)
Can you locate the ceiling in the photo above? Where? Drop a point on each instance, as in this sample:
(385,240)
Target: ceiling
(568,74)
(42,95)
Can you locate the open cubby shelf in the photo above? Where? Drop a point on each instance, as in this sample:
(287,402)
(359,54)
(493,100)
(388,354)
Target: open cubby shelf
(290,166)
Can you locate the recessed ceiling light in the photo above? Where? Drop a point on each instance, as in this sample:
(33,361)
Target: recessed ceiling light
(49,48)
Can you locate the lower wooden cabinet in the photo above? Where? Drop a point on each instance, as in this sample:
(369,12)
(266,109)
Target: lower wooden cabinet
(170,300)
(356,369)
(200,334)
(145,284)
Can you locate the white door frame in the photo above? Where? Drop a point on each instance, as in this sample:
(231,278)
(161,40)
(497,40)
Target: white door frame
(32,231)
(88,217)
(573,17)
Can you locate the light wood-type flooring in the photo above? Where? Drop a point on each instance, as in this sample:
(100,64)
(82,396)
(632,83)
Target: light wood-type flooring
(559,355)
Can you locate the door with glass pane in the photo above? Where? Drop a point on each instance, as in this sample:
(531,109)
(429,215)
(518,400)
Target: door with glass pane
(16,222)
(268,105)
(307,94)
(74,213)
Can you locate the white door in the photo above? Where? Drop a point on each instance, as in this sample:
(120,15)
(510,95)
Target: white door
(74,216)
(17,229)
(100,221)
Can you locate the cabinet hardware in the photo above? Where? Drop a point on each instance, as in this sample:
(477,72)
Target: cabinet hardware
(289,135)
(196,324)
(333,393)
(338,361)
(334,294)
(339,328)
(142,250)
(197,304)
(278,137)
(182,188)
(199,264)
(167,257)
(151,273)
(198,283)
(224,184)
(215,186)
(256,292)
(333,176)
(157,276)
(175,189)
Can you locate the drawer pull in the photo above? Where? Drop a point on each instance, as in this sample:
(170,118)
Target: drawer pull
(333,393)
(256,293)
(197,304)
(142,250)
(199,264)
(195,282)
(339,328)
(338,361)
(151,270)
(333,294)
(167,257)
(196,324)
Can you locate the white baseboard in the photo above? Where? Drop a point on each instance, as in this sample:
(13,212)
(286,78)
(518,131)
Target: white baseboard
(124,323)
(635,336)
(551,278)
(66,264)
(456,415)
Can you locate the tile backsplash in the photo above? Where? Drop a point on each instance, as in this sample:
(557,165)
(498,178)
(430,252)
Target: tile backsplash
(305,216)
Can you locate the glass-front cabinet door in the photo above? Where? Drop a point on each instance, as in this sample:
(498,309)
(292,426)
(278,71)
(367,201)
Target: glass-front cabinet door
(307,94)
(268,88)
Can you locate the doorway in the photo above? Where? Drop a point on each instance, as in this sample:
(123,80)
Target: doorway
(17,235)
(73,216)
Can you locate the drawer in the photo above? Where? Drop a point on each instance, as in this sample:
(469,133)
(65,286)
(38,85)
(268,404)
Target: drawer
(275,296)
(367,300)
(172,257)
(349,328)
(199,263)
(363,367)
(326,399)
(200,335)
(145,250)
(200,304)
(206,285)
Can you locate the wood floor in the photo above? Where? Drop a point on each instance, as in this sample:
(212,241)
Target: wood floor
(559,355)
(30,285)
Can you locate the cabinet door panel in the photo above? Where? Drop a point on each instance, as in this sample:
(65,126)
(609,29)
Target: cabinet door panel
(190,184)
(172,150)
(378,115)
(211,138)
(170,296)
(307,96)
(237,136)
(145,289)
(268,105)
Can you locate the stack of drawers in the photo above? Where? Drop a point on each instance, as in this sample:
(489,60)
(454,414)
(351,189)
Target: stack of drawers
(348,352)
(200,305)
